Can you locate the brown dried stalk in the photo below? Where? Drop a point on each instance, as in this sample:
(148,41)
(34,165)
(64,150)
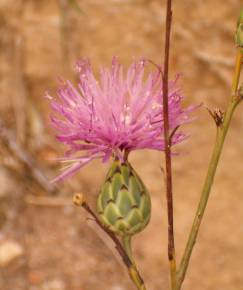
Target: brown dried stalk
(168,169)
(18,151)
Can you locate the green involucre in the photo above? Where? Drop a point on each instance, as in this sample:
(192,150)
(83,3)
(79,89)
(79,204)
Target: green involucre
(124,204)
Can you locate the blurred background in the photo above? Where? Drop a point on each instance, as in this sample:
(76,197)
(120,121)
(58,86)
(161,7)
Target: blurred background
(48,244)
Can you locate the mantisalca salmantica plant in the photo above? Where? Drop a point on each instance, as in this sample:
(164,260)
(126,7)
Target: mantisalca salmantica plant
(108,118)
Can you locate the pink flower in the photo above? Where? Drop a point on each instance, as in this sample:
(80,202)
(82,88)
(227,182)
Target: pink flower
(114,115)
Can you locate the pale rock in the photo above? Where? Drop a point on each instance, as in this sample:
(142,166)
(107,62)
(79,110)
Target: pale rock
(117,287)
(9,250)
(54,284)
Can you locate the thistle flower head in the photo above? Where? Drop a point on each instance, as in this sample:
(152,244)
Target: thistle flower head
(114,114)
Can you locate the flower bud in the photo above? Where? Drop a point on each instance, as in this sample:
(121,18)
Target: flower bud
(78,199)
(124,204)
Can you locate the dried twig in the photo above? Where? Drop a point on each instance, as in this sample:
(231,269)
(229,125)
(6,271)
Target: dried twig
(213,65)
(19,95)
(48,201)
(217,116)
(65,33)
(168,169)
(106,240)
(212,60)
(9,139)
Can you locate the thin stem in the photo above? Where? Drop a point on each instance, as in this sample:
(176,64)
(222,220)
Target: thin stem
(220,138)
(79,200)
(126,242)
(236,77)
(168,171)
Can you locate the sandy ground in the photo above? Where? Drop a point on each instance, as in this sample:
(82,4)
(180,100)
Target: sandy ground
(58,248)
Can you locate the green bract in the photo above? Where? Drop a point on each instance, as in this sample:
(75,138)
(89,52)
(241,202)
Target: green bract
(124,204)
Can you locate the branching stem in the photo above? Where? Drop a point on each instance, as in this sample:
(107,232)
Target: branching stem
(135,276)
(220,138)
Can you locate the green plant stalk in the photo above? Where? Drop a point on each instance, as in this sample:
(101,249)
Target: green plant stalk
(220,138)
(126,242)
(173,274)
(132,270)
(133,273)
(221,134)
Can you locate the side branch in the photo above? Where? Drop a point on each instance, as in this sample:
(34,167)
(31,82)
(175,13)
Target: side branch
(79,200)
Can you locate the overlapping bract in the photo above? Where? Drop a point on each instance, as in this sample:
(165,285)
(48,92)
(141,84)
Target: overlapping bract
(114,115)
(124,204)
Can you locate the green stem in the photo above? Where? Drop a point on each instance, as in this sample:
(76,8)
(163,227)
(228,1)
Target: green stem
(221,134)
(126,242)
(220,138)
(236,77)
(173,274)
(132,270)
(133,273)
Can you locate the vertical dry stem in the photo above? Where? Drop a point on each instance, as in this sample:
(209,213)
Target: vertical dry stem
(168,172)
